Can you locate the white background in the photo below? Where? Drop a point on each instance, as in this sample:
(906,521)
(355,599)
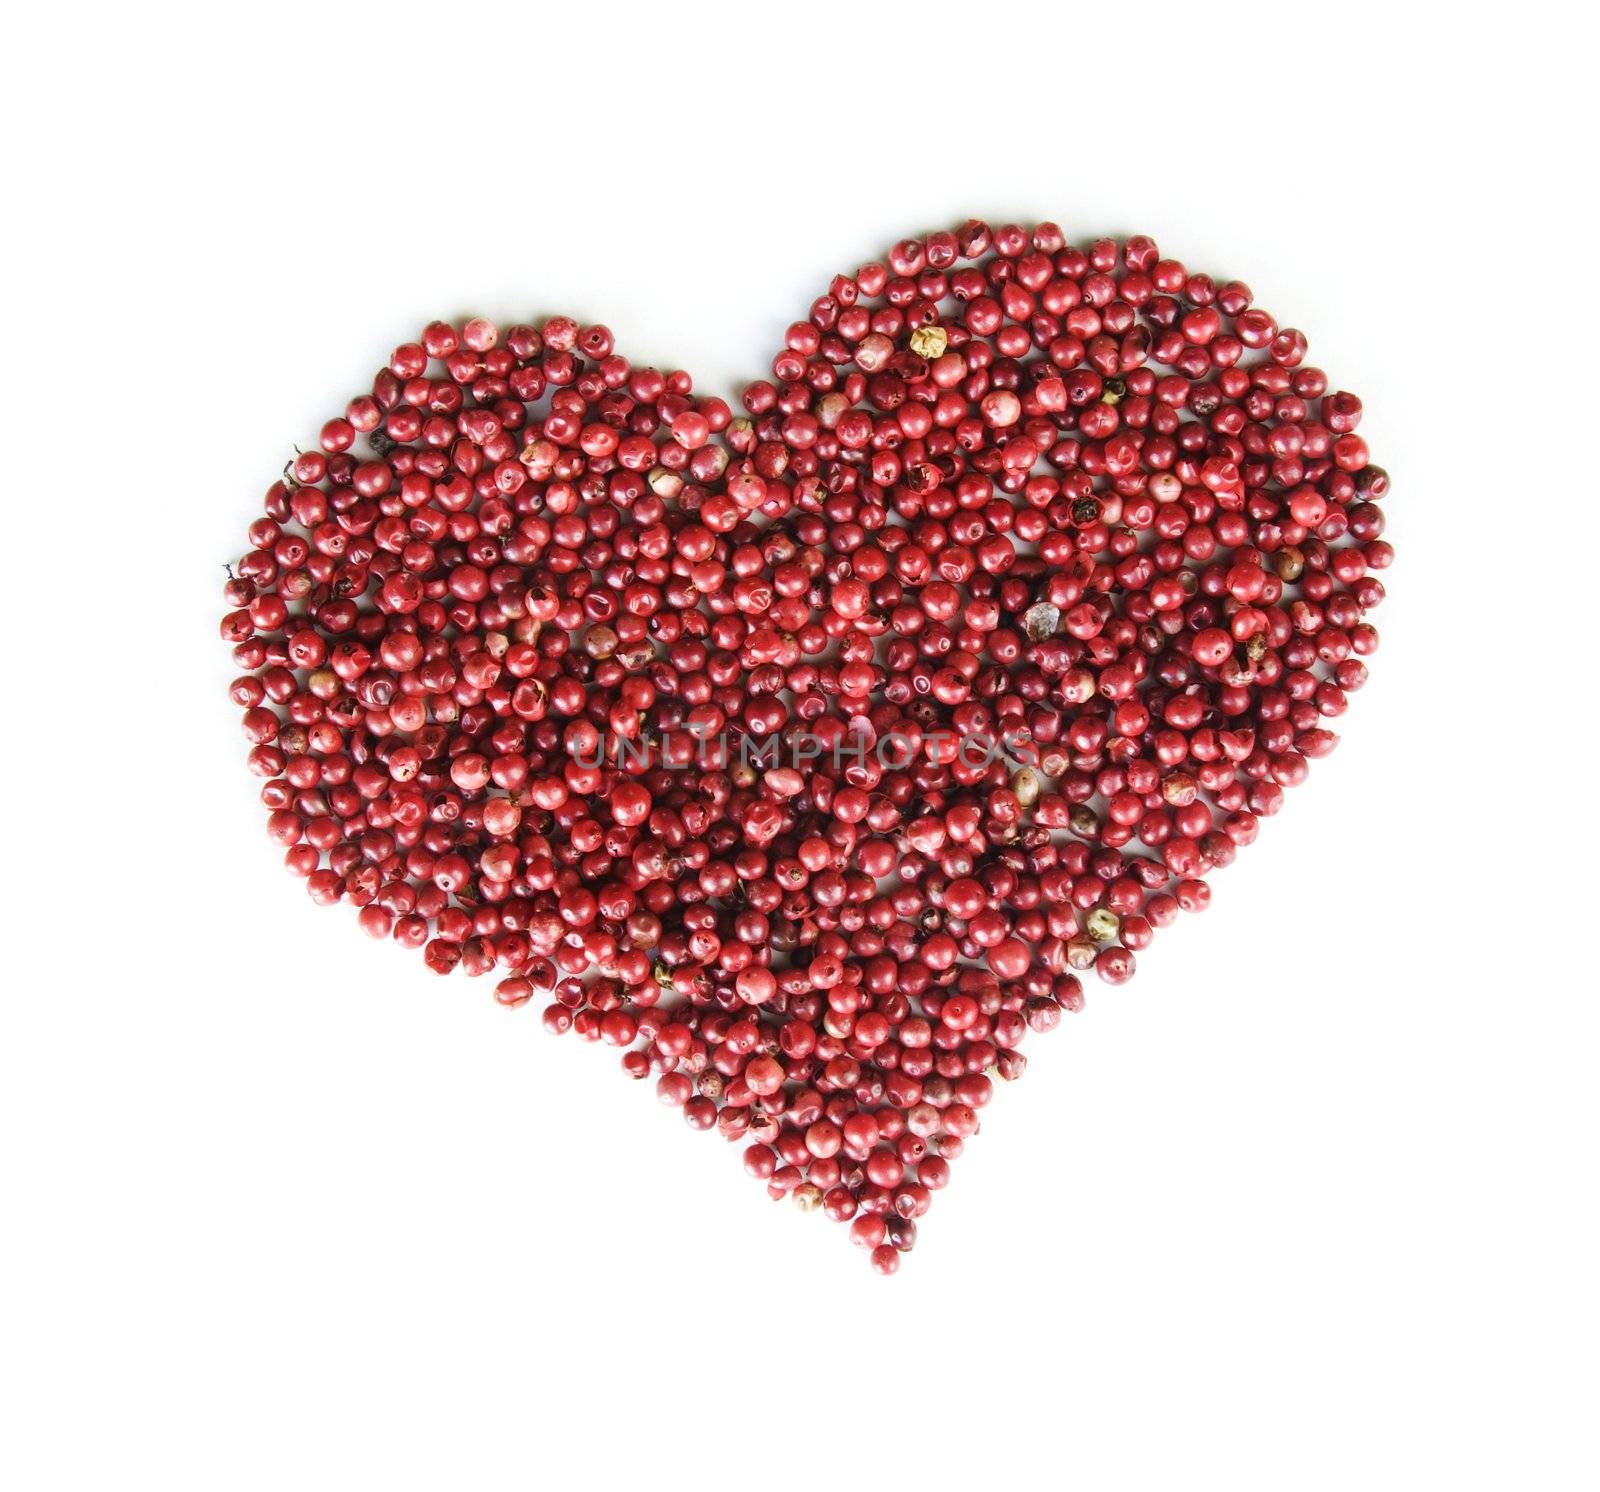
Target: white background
(1311,1203)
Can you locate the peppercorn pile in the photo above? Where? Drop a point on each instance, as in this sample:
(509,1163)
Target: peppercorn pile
(810,754)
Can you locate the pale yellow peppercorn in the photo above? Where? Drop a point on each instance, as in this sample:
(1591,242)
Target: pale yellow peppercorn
(664,482)
(1102,924)
(930,341)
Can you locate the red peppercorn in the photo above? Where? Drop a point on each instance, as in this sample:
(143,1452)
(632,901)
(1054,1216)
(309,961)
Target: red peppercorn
(810,756)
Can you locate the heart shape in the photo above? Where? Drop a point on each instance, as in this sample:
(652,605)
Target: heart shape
(810,756)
